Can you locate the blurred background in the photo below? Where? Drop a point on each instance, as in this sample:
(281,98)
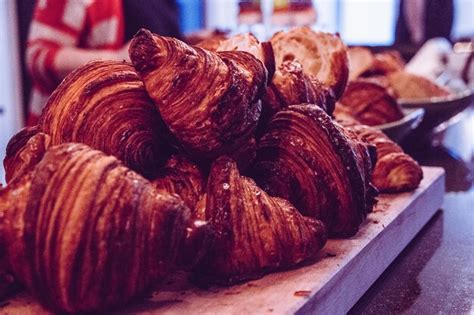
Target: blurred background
(379,24)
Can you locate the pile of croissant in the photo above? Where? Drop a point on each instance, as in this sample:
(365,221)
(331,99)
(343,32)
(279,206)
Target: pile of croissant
(388,69)
(224,162)
(377,82)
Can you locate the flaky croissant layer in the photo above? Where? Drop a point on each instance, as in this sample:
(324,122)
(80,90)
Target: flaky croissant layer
(84,233)
(24,151)
(208,100)
(290,86)
(322,55)
(395,171)
(370,103)
(254,233)
(182,177)
(104,105)
(308,159)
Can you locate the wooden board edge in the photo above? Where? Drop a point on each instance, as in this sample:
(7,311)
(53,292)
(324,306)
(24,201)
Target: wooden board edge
(350,285)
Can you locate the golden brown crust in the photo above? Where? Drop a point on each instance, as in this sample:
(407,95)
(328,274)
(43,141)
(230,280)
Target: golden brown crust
(249,43)
(382,80)
(386,63)
(376,137)
(370,103)
(363,63)
(209,101)
(291,86)
(182,177)
(13,202)
(344,113)
(360,60)
(306,158)
(322,55)
(395,171)
(255,233)
(411,86)
(84,233)
(24,151)
(104,105)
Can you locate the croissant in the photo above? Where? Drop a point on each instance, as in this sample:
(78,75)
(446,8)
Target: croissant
(322,55)
(344,113)
(387,62)
(209,101)
(104,105)
(411,86)
(324,171)
(254,233)
(84,233)
(182,177)
(383,81)
(370,103)
(363,63)
(249,43)
(395,171)
(360,61)
(290,85)
(24,151)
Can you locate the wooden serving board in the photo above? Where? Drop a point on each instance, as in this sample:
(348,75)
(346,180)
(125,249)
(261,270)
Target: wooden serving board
(342,273)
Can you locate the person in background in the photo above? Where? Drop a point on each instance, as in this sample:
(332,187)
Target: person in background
(66,34)
(421,20)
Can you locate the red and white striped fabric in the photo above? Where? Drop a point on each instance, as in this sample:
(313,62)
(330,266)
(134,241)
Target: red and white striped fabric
(94,24)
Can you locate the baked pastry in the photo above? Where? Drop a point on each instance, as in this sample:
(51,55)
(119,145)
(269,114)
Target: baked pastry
(290,86)
(209,101)
(104,105)
(249,43)
(411,86)
(381,80)
(344,113)
(370,103)
(182,177)
(360,61)
(385,63)
(254,233)
(363,63)
(311,161)
(322,55)
(84,233)
(24,151)
(395,171)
